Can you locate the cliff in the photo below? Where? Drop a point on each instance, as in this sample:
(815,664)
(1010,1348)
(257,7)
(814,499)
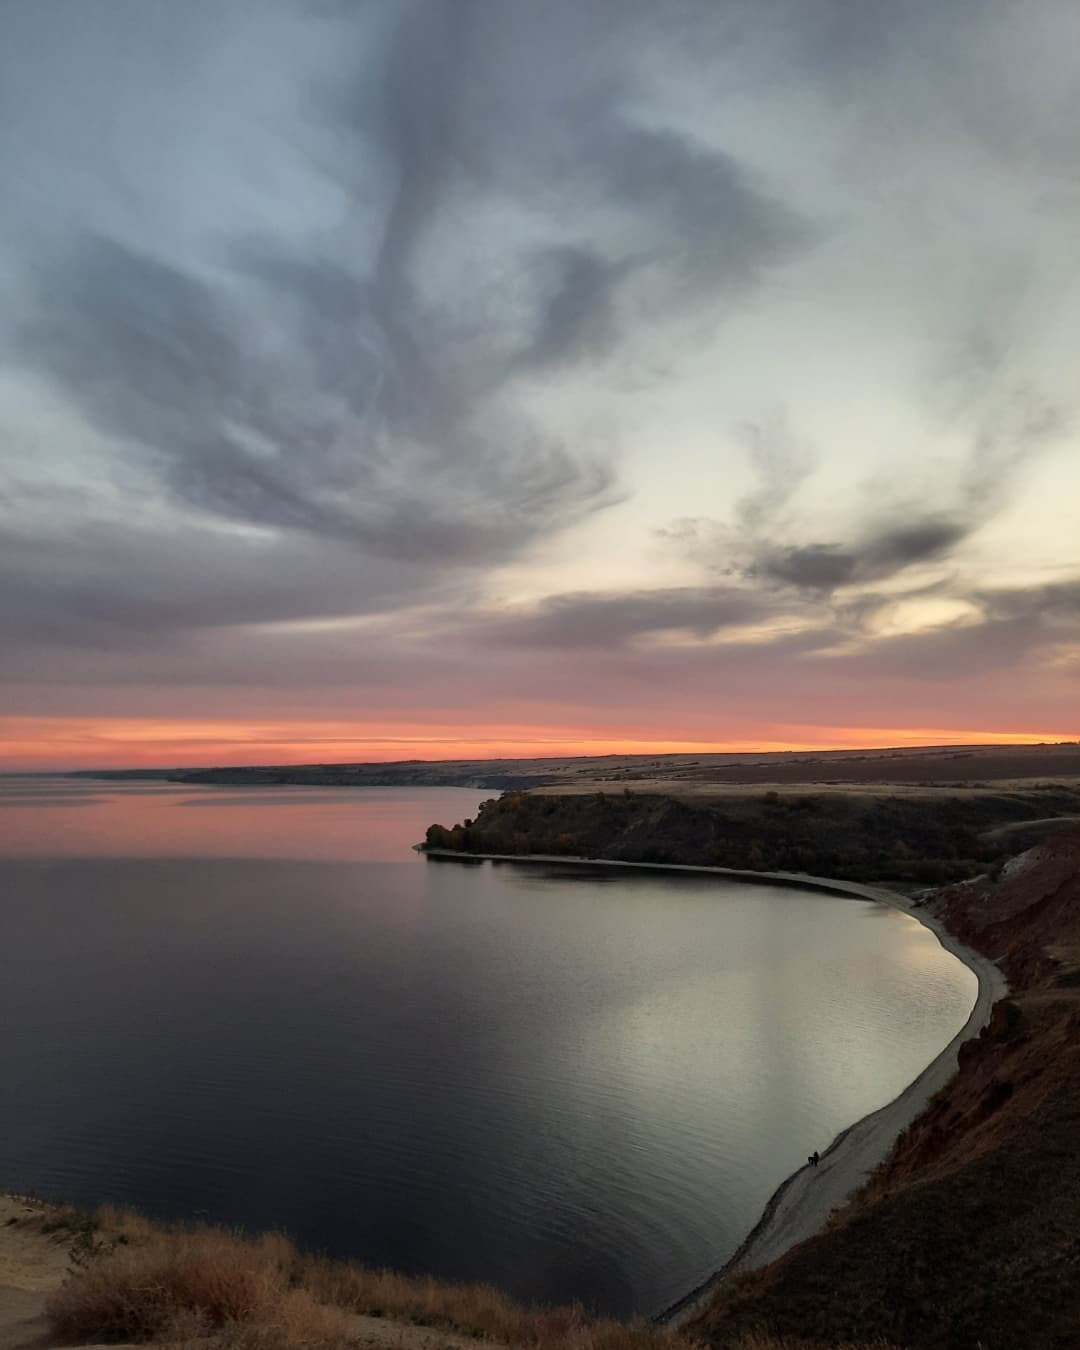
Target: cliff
(917,835)
(968,1233)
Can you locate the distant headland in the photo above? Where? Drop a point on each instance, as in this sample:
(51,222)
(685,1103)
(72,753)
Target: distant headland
(955,764)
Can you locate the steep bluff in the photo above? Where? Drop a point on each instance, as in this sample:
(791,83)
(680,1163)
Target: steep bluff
(969,1232)
(858,835)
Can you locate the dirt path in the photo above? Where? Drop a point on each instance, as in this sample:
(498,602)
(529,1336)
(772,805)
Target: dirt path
(31,1257)
(24,1326)
(22,1319)
(376,1331)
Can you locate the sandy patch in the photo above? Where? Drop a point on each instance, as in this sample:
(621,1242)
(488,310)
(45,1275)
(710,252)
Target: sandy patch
(30,1257)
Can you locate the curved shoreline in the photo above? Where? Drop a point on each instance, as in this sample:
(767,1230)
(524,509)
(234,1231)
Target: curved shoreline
(800,1206)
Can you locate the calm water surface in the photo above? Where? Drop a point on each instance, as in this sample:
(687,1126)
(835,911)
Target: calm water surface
(262,1005)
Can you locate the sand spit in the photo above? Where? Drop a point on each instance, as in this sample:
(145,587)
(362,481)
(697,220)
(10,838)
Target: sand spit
(801,1205)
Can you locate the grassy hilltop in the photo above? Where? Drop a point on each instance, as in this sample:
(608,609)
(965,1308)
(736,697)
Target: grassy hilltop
(915,835)
(663,772)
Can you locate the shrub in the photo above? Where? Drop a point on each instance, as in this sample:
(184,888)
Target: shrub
(209,1279)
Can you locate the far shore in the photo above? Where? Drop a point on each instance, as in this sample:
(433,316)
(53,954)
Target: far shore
(802,1203)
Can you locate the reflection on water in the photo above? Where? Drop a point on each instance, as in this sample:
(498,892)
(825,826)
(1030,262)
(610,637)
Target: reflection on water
(120,819)
(574,1085)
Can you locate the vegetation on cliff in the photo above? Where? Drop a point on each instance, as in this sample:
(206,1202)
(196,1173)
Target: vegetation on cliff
(911,837)
(135,1281)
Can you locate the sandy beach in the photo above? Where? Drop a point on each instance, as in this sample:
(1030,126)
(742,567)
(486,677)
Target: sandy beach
(801,1205)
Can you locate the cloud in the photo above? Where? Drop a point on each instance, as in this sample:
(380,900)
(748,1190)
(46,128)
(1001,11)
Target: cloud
(781,463)
(319,432)
(1055,601)
(826,567)
(722,225)
(578,315)
(601,210)
(301,371)
(307,390)
(1014,425)
(99,585)
(593,619)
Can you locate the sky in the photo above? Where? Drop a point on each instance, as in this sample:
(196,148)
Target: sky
(387,380)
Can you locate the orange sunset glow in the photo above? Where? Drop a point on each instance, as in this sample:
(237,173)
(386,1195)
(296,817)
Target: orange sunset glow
(38,744)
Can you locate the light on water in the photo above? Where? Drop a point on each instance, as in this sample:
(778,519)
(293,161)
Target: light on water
(263,1005)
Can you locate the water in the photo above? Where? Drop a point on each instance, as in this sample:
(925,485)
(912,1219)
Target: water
(262,1005)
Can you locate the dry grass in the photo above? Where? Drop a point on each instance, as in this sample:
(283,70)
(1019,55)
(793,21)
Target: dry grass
(208,1289)
(475,1310)
(184,1284)
(147,1283)
(765,1342)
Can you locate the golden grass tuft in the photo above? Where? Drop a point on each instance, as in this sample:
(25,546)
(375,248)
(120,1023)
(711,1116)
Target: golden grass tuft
(114,1222)
(205,1284)
(475,1310)
(206,1278)
(209,1289)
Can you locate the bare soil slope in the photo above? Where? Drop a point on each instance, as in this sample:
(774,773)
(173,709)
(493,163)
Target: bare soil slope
(969,1233)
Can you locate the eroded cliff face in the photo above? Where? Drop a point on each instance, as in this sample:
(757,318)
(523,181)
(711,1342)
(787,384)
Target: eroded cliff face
(969,1233)
(1028,920)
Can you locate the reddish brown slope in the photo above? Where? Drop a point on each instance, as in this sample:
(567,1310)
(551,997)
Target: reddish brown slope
(969,1234)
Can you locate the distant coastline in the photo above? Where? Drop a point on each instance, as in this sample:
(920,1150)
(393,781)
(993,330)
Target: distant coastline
(910,765)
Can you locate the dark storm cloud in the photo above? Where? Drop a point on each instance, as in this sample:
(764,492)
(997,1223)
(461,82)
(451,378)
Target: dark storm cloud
(103,585)
(458,113)
(594,619)
(1014,424)
(158,358)
(1056,601)
(722,224)
(353,422)
(577,317)
(824,567)
(954,652)
(704,229)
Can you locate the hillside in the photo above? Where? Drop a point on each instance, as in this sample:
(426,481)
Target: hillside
(968,1234)
(915,835)
(897,764)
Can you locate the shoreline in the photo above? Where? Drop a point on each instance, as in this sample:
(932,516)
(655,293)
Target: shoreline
(802,1203)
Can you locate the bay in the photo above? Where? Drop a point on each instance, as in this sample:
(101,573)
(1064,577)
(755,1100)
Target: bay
(261,1007)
